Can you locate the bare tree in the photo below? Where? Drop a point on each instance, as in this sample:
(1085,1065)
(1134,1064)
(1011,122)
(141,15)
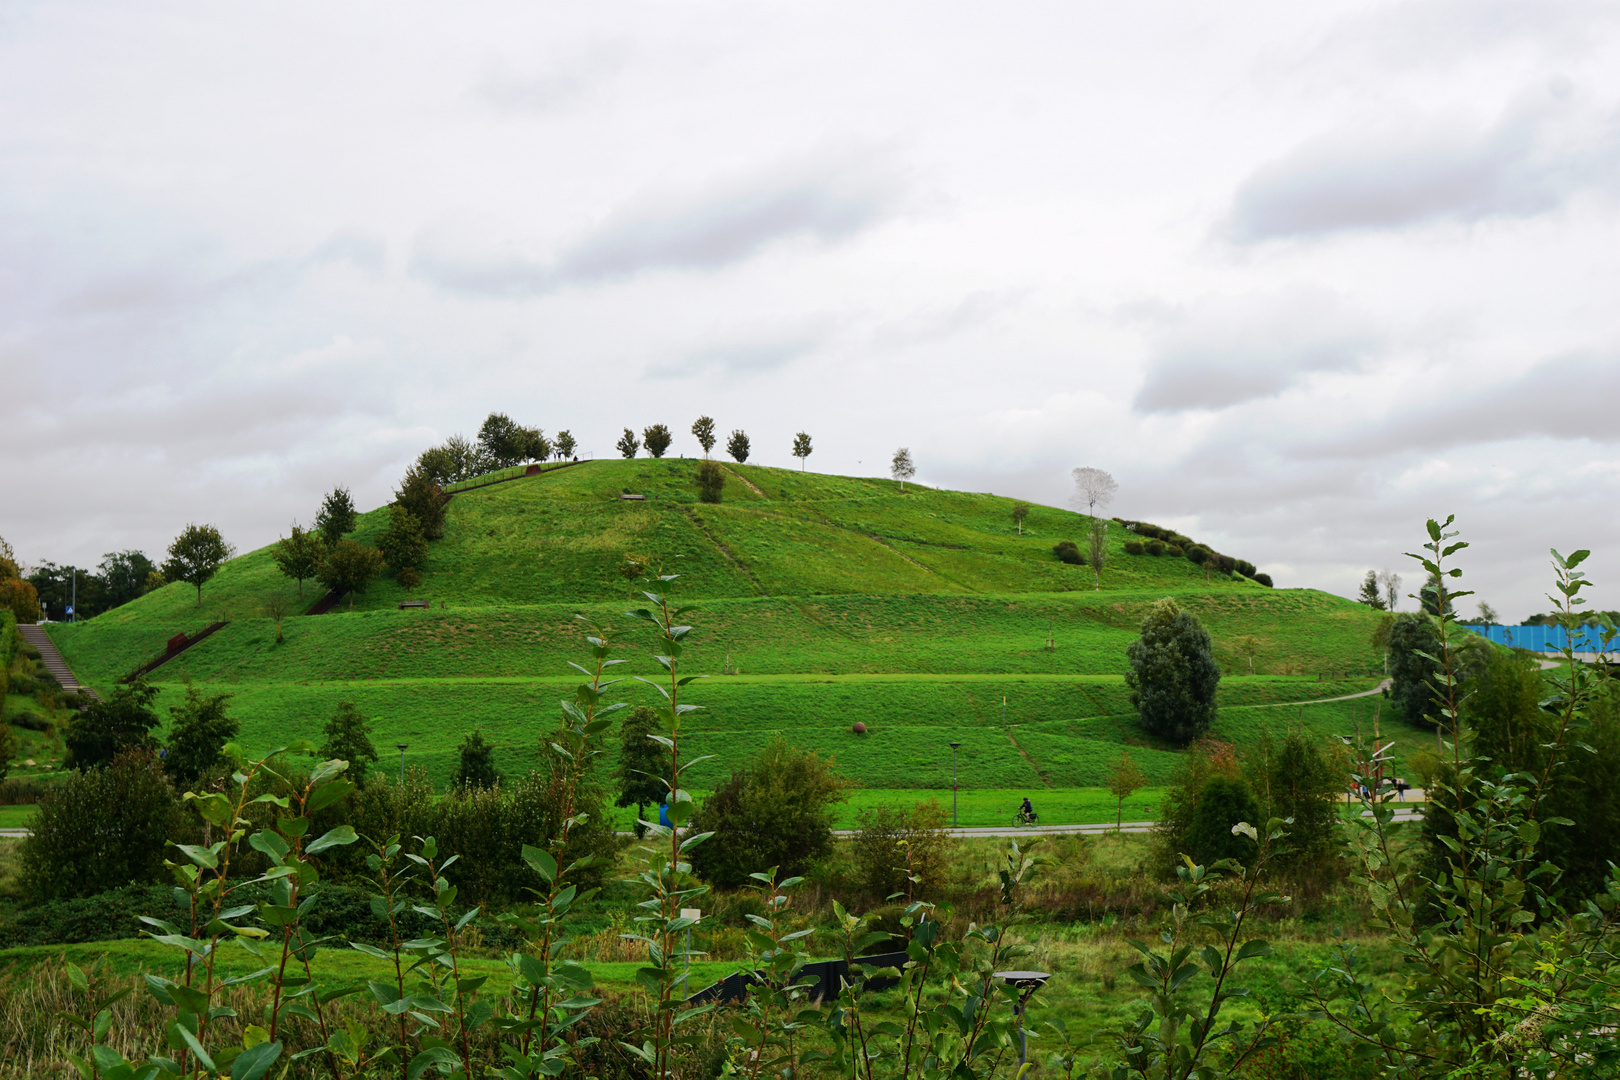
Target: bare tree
(1391,581)
(902,468)
(1093,488)
(1098,536)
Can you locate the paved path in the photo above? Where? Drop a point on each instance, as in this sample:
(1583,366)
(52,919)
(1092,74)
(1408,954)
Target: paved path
(36,636)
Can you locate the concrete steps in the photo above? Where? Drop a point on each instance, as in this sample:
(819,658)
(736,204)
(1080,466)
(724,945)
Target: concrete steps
(36,636)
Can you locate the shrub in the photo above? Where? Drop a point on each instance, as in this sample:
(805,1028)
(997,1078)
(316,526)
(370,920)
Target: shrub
(101,829)
(23,683)
(1223,802)
(1410,673)
(1264,579)
(201,730)
(711,481)
(22,790)
(1173,550)
(1173,675)
(1294,778)
(95,736)
(1155,547)
(1198,555)
(776,812)
(1204,761)
(1133,547)
(477,765)
(1068,551)
(891,843)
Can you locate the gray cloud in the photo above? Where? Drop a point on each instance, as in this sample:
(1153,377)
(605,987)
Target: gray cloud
(825,197)
(752,353)
(1221,352)
(554,84)
(1531,160)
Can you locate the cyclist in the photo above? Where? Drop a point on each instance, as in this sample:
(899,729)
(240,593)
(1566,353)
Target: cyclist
(1027,811)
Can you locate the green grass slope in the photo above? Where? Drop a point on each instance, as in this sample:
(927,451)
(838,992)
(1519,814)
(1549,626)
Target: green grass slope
(923,614)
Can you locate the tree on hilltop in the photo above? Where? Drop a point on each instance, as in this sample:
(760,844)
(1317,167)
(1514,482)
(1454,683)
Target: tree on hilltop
(901,466)
(298,556)
(196,555)
(1173,675)
(801,448)
(1370,593)
(737,446)
(1093,488)
(536,447)
(628,444)
(656,438)
(703,430)
(501,441)
(336,517)
(565,444)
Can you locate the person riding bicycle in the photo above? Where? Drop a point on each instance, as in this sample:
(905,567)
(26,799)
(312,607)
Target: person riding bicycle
(1027,811)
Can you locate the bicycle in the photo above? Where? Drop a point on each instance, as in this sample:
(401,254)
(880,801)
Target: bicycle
(1021,819)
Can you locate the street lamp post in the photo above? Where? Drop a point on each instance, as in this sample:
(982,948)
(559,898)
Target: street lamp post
(954,745)
(402,747)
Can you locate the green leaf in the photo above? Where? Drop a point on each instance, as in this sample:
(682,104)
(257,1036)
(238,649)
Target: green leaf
(541,862)
(77,977)
(1257,947)
(255,1061)
(343,834)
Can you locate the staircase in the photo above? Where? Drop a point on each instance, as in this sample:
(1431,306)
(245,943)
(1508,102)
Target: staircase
(37,637)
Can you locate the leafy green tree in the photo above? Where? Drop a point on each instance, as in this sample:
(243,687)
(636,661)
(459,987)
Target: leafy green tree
(476,768)
(901,467)
(423,498)
(776,812)
(1173,675)
(536,447)
(298,556)
(801,448)
(1126,778)
(643,767)
(1295,778)
(711,482)
(20,598)
(123,576)
(336,518)
(348,567)
(198,733)
(1222,803)
(565,444)
(437,464)
(402,544)
(348,738)
(196,555)
(1020,511)
(1410,673)
(1370,593)
(96,735)
(737,446)
(501,441)
(656,438)
(9,567)
(628,444)
(101,829)
(703,430)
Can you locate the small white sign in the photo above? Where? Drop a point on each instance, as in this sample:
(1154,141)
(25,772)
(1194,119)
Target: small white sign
(691,913)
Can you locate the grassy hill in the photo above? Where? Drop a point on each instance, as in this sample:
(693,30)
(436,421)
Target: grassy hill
(828,600)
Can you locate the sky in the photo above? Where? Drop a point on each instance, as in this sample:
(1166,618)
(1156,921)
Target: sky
(1300,276)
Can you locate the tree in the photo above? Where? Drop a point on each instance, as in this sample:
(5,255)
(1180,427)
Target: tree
(1370,593)
(20,598)
(336,517)
(9,567)
(1410,673)
(536,447)
(801,448)
(402,544)
(155,581)
(1020,511)
(1097,535)
(1222,803)
(1248,647)
(643,769)
(737,446)
(1296,779)
(776,812)
(348,738)
(465,457)
(1126,778)
(123,576)
(348,567)
(8,743)
(298,556)
(894,845)
(196,555)
(901,466)
(703,430)
(1487,614)
(1093,488)
(276,607)
(501,442)
(437,465)
(633,569)
(1391,581)
(656,438)
(96,735)
(477,766)
(198,734)
(565,444)
(711,481)
(424,499)
(628,444)
(1173,675)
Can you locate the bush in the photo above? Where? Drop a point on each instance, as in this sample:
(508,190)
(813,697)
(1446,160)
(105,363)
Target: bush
(1173,550)
(891,843)
(776,812)
(477,766)
(1264,579)
(1223,802)
(1199,555)
(1294,778)
(1155,547)
(1068,551)
(1133,547)
(102,829)
(1173,675)
(29,721)
(24,684)
(711,482)
(22,790)
(98,734)
(1410,673)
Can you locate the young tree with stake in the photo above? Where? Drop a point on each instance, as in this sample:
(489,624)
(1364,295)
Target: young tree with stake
(901,467)
(737,446)
(801,448)
(703,431)
(1020,511)
(628,444)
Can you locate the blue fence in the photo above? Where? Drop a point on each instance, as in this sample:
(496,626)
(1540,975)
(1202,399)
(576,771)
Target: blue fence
(1542,638)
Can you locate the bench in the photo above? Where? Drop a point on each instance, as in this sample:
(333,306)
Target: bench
(403,604)
(634,498)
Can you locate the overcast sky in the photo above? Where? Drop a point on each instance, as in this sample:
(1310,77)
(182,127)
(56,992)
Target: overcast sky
(1298,275)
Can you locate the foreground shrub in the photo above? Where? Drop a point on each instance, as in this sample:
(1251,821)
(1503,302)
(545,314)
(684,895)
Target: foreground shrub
(776,812)
(102,828)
